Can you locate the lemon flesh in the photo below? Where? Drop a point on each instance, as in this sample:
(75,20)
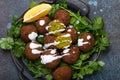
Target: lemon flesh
(37,12)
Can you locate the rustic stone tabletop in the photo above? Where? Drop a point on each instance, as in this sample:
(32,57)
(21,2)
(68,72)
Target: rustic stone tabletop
(108,9)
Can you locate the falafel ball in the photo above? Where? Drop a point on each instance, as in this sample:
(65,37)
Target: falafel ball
(49,41)
(73,56)
(62,73)
(42,24)
(63,16)
(73,33)
(26,30)
(86,42)
(55,27)
(63,41)
(33,50)
(50,59)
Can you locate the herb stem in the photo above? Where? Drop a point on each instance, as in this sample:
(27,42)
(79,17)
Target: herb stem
(94,59)
(74,15)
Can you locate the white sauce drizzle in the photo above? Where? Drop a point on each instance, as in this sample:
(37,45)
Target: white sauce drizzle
(56,31)
(66,46)
(88,37)
(66,35)
(78,32)
(69,30)
(32,36)
(41,36)
(47,27)
(33,46)
(60,23)
(66,50)
(41,22)
(50,58)
(50,44)
(70,26)
(53,51)
(81,43)
(35,51)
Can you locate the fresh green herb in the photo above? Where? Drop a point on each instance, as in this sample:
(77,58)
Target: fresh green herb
(6,43)
(38,69)
(33,3)
(18,48)
(56,7)
(49,77)
(40,39)
(14,31)
(98,23)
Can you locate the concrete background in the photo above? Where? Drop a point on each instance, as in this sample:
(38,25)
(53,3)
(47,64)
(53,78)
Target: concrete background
(108,9)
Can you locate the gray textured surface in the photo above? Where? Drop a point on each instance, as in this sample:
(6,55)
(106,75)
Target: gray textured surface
(108,9)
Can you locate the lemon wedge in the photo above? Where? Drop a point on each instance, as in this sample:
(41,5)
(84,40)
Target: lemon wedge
(37,12)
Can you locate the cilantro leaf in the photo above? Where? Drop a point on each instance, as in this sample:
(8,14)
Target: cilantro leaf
(56,7)
(18,48)
(48,77)
(98,23)
(14,31)
(32,3)
(38,69)
(6,43)
(40,39)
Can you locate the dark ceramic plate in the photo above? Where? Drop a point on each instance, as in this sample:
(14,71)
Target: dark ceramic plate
(24,73)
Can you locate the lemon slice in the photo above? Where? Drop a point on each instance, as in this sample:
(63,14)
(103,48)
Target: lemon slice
(37,12)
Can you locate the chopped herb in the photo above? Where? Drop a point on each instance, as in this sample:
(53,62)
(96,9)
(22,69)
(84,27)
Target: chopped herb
(40,39)
(18,48)
(6,43)
(33,3)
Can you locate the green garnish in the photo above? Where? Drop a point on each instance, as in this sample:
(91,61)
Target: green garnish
(40,39)
(6,43)
(18,48)
(82,24)
(33,3)
(38,69)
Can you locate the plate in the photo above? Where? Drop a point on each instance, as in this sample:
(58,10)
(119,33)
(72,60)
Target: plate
(72,7)
(24,73)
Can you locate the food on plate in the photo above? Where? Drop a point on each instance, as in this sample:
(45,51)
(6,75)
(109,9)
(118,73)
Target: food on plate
(62,73)
(73,32)
(33,50)
(37,12)
(86,41)
(28,33)
(51,37)
(73,54)
(63,41)
(49,41)
(50,58)
(55,27)
(63,16)
(42,23)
